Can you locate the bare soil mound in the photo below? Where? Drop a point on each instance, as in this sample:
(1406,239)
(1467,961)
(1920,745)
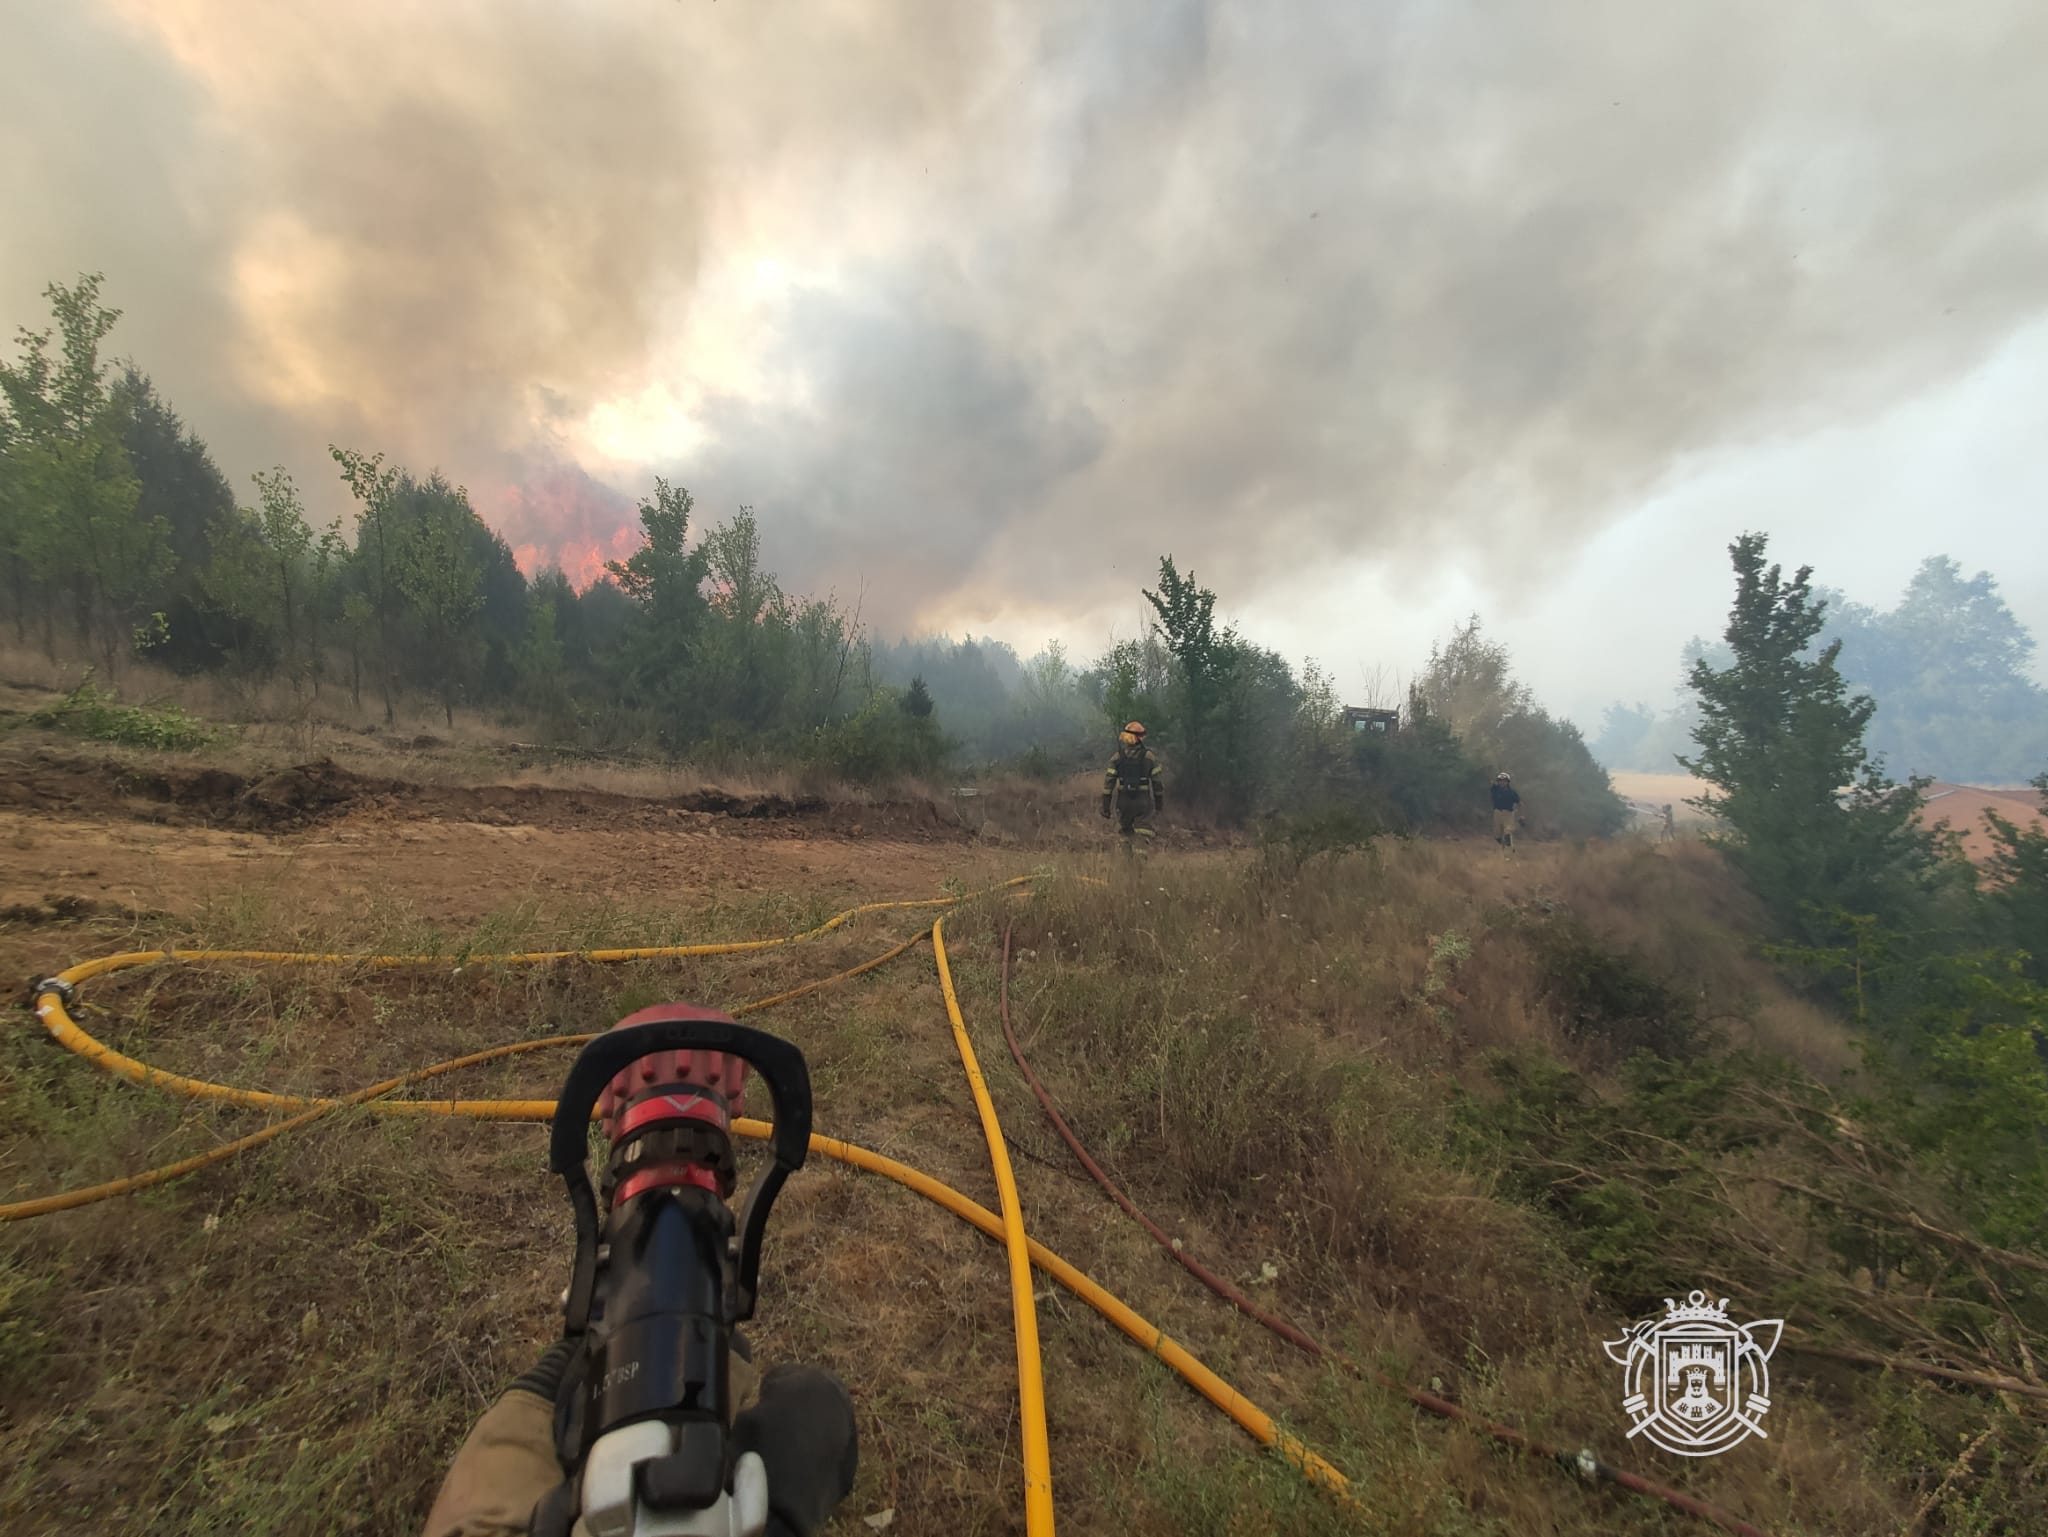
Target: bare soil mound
(284,799)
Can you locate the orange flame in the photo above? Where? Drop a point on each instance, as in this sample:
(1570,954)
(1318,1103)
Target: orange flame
(560,516)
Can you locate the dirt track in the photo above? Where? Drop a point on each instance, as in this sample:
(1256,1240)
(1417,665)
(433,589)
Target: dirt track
(82,835)
(301,794)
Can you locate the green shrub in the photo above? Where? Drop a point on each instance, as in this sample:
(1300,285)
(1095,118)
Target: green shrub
(1627,1212)
(91,711)
(1421,776)
(1037,764)
(1609,998)
(1565,794)
(1289,841)
(883,741)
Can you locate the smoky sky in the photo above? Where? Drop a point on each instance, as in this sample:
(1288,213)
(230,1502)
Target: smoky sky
(984,307)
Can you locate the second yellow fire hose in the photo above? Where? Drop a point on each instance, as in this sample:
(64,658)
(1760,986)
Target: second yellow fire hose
(1023,1309)
(51,1008)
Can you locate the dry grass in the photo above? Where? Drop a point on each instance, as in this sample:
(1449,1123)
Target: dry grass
(1277,1066)
(1271,1060)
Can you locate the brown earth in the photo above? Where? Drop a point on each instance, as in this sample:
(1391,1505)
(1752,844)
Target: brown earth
(80,834)
(99,854)
(45,779)
(1964,807)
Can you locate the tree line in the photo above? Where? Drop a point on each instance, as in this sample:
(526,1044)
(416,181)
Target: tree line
(122,538)
(1946,670)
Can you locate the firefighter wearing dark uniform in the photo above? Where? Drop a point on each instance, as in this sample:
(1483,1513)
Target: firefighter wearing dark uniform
(1507,810)
(1132,787)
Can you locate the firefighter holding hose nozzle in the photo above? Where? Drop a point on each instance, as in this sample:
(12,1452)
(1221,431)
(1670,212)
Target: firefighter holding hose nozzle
(798,1419)
(1132,786)
(647,1418)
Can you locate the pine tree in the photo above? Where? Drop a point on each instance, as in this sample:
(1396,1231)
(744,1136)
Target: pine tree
(665,580)
(1187,620)
(1813,822)
(2018,886)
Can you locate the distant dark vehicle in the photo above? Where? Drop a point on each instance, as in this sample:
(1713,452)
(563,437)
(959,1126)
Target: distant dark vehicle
(1380,722)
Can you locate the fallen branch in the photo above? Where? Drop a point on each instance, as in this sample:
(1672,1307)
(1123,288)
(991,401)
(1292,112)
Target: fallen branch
(1924,1368)
(1962,1465)
(1909,1219)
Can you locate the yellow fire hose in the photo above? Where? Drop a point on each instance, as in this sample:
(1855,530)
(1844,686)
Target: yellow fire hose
(1023,1306)
(53,997)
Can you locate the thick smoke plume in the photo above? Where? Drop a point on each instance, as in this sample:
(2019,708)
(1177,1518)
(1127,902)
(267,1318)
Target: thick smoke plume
(986,306)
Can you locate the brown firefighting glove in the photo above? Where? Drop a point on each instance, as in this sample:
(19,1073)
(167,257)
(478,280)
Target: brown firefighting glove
(507,1463)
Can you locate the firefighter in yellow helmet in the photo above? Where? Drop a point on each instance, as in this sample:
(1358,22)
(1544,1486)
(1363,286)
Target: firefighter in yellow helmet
(1132,786)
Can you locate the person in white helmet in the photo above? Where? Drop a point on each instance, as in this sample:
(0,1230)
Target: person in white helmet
(1507,802)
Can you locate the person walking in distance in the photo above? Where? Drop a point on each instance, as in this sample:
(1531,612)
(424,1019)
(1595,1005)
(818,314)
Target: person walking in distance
(1507,802)
(1132,787)
(1669,830)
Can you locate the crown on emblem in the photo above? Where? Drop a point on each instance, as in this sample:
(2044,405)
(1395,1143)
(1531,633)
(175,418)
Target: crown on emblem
(1695,1308)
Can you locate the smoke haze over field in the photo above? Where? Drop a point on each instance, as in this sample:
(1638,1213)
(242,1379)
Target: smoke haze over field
(985,307)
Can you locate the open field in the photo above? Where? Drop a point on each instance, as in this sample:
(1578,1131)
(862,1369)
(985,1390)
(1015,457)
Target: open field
(1288,1066)
(1961,808)
(1654,790)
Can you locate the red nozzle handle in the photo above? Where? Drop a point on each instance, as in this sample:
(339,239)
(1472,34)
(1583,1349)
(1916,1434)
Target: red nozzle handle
(680,1027)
